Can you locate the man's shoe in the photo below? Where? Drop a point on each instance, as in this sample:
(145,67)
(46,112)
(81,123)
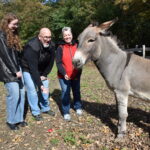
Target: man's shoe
(12,126)
(38,117)
(50,112)
(67,117)
(23,124)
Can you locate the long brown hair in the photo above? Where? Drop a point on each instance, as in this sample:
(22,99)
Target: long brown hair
(13,39)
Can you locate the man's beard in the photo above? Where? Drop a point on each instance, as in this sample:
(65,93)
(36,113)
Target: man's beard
(45,45)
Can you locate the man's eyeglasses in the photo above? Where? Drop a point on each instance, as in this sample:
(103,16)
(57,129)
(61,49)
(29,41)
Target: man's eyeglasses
(46,37)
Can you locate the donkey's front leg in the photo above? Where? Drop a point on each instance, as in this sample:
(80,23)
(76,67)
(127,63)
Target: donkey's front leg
(122,101)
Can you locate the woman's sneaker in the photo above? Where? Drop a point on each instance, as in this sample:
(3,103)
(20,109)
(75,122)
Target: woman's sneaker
(79,112)
(67,117)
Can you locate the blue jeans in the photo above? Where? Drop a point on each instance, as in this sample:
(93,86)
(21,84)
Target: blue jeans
(38,101)
(66,86)
(15,102)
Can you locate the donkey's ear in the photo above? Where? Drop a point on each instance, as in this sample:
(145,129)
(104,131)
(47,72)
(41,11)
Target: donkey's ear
(106,25)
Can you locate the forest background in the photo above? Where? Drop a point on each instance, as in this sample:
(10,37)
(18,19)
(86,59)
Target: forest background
(131,29)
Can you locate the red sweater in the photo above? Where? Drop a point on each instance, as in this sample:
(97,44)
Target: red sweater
(64,56)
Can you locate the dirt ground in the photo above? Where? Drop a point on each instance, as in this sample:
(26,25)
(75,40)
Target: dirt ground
(95,130)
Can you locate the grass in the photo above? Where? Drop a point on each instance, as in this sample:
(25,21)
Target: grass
(69,137)
(1,83)
(54,141)
(84,140)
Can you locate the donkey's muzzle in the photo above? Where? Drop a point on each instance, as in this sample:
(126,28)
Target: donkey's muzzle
(77,63)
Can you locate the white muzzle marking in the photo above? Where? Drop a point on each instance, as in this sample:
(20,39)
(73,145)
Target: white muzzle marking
(79,56)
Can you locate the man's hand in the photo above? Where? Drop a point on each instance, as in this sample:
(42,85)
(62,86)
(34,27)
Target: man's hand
(44,90)
(43,78)
(19,74)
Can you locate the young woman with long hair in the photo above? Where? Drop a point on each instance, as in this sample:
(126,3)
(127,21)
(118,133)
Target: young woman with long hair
(11,76)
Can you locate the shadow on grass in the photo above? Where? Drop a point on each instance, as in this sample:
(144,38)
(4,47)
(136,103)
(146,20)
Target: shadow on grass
(106,112)
(56,94)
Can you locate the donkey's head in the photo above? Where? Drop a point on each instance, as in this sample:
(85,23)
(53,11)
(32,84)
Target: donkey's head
(89,43)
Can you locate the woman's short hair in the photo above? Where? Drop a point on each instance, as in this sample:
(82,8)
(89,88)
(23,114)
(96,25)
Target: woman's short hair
(66,29)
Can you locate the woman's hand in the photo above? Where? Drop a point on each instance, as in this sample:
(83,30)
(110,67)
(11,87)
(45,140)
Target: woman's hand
(66,77)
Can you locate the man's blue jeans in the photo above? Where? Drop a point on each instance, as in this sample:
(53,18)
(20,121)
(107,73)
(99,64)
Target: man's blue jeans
(66,86)
(15,102)
(39,102)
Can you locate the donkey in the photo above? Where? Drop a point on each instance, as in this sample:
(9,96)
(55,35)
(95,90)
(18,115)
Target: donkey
(125,73)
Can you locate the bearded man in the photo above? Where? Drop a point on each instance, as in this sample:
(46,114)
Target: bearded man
(37,63)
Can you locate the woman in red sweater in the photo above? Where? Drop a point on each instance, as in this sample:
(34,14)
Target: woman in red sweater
(69,77)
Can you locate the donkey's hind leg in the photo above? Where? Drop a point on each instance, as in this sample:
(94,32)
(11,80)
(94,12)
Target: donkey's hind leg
(122,102)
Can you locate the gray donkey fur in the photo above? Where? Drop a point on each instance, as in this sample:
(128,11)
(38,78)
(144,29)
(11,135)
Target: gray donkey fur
(126,74)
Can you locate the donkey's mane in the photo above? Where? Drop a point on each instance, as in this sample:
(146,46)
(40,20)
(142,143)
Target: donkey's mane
(118,42)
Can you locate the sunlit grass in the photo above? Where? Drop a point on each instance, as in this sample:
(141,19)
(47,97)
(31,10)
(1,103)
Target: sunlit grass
(53,74)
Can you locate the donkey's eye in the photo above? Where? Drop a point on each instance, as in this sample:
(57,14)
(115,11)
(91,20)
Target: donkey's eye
(91,40)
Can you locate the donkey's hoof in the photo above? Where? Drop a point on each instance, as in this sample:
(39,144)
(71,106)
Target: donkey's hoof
(121,135)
